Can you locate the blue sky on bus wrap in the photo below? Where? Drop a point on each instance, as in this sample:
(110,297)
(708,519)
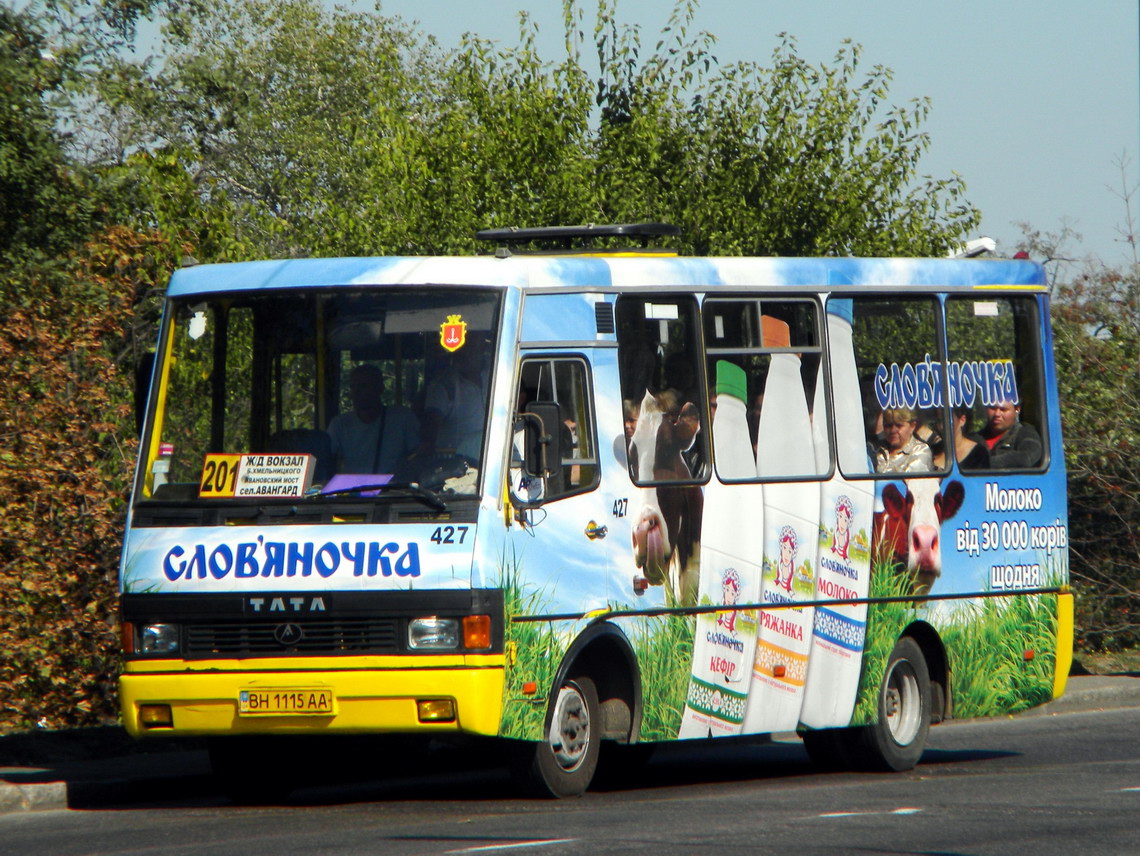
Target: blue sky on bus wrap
(1033,100)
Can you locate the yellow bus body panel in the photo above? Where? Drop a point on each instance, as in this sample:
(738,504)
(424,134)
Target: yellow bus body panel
(203,696)
(1064,643)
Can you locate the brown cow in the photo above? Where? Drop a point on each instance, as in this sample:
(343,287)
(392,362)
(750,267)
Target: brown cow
(667,533)
(908,529)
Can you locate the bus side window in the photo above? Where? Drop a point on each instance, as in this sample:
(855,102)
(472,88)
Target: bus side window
(662,397)
(898,360)
(772,349)
(995,378)
(563,381)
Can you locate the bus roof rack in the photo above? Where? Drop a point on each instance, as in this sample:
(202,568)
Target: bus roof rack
(576,238)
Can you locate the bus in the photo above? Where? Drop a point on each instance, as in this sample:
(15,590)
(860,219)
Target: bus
(582,496)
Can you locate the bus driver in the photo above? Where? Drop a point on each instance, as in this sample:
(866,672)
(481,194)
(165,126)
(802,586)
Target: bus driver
(372,437)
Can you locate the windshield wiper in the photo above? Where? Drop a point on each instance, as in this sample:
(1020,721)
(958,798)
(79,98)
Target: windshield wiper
(412,489)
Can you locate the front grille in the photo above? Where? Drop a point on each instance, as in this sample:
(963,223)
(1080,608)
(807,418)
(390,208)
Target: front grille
(318,638)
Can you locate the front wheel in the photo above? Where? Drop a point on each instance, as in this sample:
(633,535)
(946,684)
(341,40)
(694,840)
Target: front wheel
(563,764)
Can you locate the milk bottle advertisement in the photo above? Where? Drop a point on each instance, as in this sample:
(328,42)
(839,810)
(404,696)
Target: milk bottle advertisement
(791,536)
(725,642)
(845,526)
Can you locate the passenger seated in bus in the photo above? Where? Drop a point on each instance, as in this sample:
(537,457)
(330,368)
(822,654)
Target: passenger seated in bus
(629,412)
(1012,443)
(969,449)
(900,451)
(455,405)
(673,402)
(372,437)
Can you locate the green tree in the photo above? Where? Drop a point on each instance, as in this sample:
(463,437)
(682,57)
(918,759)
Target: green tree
(272,112)
(44,203)
(1096,328)
(56,58)
(790,159)
(342,132)
(1098,358)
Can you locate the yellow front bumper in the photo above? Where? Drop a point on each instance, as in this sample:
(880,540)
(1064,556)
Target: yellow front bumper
(369,697)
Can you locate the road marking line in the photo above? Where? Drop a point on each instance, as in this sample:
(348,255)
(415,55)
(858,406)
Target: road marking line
(871,813)
(488,847)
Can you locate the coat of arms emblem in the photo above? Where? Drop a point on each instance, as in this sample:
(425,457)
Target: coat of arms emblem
(453,333)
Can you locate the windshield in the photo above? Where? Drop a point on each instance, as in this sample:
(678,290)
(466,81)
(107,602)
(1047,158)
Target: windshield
(302,394)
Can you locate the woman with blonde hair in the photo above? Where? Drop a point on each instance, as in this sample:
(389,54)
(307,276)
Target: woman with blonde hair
(900,451)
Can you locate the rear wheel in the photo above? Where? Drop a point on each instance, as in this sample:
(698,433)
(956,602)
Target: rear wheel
(897,740)
(563,764)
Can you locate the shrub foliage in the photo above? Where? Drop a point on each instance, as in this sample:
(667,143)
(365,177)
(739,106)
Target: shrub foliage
(65,466)
(1096,321)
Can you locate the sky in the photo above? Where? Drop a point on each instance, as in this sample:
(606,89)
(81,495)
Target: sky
(1034,102)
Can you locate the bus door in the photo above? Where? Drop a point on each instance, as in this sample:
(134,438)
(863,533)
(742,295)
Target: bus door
(561,513)
(665,410)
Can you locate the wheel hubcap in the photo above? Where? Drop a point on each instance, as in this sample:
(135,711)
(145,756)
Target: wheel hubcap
(570,729)
(901,706)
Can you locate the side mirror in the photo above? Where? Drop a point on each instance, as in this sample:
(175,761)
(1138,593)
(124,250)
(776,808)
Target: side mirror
(537,455)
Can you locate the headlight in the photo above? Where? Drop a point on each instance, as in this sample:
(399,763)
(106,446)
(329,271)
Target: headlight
(158,639)
(433,634)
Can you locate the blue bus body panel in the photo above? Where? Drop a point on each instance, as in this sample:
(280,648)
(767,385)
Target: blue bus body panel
(541,271)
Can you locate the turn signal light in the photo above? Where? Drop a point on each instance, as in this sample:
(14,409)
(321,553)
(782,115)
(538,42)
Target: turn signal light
(156,716)
(435,709)
(477,632)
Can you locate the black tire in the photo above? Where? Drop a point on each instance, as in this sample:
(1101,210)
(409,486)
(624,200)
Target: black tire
(251,770)
(897,740)
(563,764)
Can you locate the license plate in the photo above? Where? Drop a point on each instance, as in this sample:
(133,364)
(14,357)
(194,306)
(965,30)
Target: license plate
(285,702)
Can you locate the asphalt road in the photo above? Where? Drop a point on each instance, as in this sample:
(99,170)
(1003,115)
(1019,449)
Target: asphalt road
(1060,783)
